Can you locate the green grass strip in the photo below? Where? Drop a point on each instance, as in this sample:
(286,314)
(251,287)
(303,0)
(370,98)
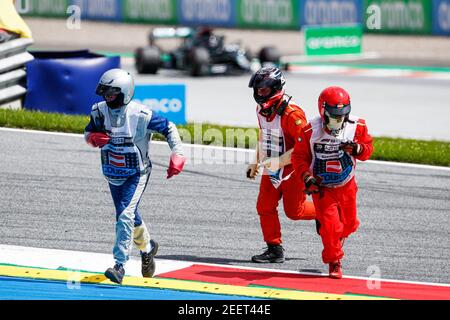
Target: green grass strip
(386,149)
(45,121)
(412,151)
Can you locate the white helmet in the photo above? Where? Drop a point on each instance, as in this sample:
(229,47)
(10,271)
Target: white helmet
(116,82)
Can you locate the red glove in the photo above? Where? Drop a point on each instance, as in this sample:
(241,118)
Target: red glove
(97,139)
(176,165)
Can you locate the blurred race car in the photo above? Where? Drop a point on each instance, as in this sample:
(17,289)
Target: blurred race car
(201,53)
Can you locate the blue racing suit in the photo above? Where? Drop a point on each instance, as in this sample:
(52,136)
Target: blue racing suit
(127,166)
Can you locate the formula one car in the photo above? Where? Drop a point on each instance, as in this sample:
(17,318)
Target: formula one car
(201,53)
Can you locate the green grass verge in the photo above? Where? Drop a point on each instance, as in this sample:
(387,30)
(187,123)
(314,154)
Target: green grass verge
(42,121)
(412,151)
(386,149)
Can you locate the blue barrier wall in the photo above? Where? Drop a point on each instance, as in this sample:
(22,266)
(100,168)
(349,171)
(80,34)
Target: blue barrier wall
(207,12)
(100,10)
(221,13)
(65,82)
(168,100)
(441,17)
(226,13)
(330,12)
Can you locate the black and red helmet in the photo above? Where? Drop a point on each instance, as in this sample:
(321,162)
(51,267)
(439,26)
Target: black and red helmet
(267,77)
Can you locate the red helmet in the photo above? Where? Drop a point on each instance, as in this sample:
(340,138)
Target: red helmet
(334,102)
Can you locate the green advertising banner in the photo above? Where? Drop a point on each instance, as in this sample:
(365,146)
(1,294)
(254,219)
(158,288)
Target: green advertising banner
(398,16)
(43,8)
(268,14)
(321,41)
(150,11)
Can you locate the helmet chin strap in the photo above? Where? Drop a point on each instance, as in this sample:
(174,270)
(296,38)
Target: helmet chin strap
(274,108)
(269,112)
(114,105)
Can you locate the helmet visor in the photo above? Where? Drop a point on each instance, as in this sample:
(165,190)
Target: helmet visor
(264,92)
(338,110)
(104,90)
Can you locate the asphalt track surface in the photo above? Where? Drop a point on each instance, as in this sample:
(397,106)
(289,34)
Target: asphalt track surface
(393,107)
(54,196)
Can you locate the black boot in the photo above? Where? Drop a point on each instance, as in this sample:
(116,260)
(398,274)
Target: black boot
(116,273)
(148,263)
(274,253)
(318,227)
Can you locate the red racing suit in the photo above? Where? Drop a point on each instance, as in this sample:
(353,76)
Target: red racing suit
(276,137)
(318,152)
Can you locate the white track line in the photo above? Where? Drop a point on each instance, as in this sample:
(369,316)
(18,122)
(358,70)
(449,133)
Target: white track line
(98,262)
(77,135)
(408,165)
(346,57)
(199,146)
(78,260)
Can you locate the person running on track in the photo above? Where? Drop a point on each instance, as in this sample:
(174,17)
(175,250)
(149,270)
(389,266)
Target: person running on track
(325,157)
(123,130)
(280,121)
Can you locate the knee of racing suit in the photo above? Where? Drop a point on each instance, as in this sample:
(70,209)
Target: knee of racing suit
(348,206)
(267,204)
(330,230)
(265,209)
(302,211)
(350,226)
(137,219)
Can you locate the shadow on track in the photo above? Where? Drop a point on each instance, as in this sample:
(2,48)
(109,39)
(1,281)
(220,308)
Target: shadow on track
(215,260)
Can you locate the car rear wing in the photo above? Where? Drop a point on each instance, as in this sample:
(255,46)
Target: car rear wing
(170,33)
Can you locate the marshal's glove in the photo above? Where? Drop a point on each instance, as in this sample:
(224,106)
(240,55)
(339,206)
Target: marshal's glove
(351,147)
(97,139)
(312,184)
(176,165)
